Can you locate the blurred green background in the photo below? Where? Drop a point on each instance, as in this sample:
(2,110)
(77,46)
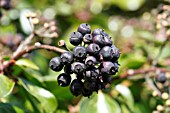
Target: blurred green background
(130,23)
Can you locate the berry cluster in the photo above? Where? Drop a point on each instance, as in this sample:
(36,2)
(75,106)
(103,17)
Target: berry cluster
(93,63)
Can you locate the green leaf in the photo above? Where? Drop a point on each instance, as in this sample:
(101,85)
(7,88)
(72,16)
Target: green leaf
(99,103)
(8,108)
(127,95)
(132,60)
(18,110)
(27,63)
(61,111)
(6,86)
(46,99)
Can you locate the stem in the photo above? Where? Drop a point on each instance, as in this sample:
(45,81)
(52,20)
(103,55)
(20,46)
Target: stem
(151,84)
(132,72)
(24,44)
(30,49)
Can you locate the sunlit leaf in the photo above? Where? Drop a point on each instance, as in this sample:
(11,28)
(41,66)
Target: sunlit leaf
(26,63)
(61,111)
(126,94)
(46,99)
(6,86)
(99,103)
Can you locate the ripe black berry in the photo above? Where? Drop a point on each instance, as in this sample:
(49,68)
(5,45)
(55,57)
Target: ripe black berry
(79,52)
(90,61)
(92,74)
(99,39)
(107,53)
(106,78)
(64,79)
(67,69)
(76,87)
(66,58)
(80,76)
(161,78)
(97,31)
(55,64)
(78,67)
(116,53)
(91,85)
(108,68)
(76,38)
(87,93)
(107,41)
(87,38)
(84,28)
(93,49)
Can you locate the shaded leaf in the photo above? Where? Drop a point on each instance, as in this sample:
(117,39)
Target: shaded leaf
(6,86)
(8,108)
(99,103)
(46,99)
(26,63)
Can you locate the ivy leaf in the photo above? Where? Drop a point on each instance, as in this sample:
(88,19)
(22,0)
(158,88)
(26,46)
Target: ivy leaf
(45,98)
(99,103)
(8,108)
(6,86)
(27,63)
(126,94)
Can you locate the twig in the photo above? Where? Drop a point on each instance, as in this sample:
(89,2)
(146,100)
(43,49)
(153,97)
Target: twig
(132,72)
(151,84)
(29,49)
(24,44)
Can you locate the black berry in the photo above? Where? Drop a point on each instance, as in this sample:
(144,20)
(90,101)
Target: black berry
(97,32)
(66,58)
(99,39)
(87,93)
(67,69)
(93,49)
(106,78)
(78,67)
(76,87)
(79,52)
(87,38)
(161,78)
(55,64)
(91,85)
(80,76)
(107,41)
(107,53)
(92,74)
(84,28)
(76,38)
(90,61)
(64,79)
(116,53)
(108,68)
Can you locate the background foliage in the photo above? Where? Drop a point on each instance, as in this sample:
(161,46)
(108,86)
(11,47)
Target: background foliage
(27,85)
